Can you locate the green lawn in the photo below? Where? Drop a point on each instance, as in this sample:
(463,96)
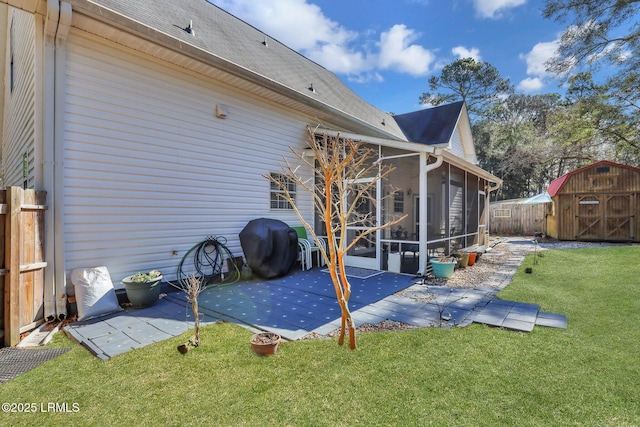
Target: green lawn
(588,374)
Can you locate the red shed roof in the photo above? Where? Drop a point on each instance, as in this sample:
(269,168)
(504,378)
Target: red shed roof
(557,184)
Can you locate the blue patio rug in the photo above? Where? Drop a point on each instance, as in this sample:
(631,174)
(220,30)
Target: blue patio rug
(296,304)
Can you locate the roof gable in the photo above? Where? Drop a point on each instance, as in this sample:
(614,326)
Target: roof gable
(442,125)
(431,126)
(557,184)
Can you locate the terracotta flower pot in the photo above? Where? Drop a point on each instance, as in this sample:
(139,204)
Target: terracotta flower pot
(472,258)
(265,343)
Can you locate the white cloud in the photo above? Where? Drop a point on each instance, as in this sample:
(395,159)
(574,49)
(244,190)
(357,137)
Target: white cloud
(339,59)
(462,52)
(366,78)
(397,52)
(329,43)
(494,8)
(538,56)
(289,21)
(536,60)
(531,84)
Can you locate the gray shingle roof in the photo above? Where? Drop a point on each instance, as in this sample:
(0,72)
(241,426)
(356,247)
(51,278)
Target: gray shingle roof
(225,36)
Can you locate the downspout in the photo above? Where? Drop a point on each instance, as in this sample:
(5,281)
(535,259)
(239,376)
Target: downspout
(48,85)
(423,192)
(59,152)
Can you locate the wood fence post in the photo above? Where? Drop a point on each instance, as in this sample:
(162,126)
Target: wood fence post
(13,249)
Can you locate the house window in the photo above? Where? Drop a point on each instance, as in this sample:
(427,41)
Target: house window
(502,213)
(277,194)
(398,202)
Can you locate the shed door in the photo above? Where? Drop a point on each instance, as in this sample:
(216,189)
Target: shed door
(619,218)
(588,224)
(606,217)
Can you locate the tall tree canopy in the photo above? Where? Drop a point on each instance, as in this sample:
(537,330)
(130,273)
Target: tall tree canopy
(477,83)
(527,140)
(513,142)
(590,120)
(600,31)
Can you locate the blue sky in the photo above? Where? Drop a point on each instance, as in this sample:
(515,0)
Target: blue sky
(386,50)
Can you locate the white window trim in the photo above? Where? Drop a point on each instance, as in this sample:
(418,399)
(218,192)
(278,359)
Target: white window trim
(282,203)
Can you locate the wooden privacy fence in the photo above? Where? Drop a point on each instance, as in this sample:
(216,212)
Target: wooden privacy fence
(21,261)
(509,217)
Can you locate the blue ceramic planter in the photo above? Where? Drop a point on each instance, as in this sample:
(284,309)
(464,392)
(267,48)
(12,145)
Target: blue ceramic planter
(443,269)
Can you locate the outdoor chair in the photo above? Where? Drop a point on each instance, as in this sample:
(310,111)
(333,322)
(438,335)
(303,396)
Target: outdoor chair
(307,249)
(410,249)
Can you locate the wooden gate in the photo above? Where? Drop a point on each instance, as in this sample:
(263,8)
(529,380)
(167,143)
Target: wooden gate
(21,262)
(604,217)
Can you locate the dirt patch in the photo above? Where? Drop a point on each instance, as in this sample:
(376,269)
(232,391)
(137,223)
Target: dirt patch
(385,325)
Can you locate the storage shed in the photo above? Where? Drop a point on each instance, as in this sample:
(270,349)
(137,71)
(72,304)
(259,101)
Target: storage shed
(598,202)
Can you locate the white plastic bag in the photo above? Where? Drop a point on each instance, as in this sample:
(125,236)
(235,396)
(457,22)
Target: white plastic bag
(95,295)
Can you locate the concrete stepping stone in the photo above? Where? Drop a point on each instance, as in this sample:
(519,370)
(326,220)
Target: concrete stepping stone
(553,320)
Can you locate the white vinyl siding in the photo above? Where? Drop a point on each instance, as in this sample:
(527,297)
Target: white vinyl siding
(456,143)
(149,169)
(19,121)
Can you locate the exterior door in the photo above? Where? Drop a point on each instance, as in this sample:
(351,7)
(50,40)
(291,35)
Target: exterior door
(365,253)
(608,217)
(619,219)
(588,224)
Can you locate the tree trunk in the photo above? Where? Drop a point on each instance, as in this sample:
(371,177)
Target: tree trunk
(196,320)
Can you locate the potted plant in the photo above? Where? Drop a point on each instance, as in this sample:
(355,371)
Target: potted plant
(265,343)
(463,259)
(143,289)
(443,267)
(472,258)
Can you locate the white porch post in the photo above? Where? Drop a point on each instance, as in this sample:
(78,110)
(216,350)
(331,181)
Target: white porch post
(379,221)
(422,230)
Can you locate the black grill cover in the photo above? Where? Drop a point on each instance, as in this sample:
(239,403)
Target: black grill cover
(270,247)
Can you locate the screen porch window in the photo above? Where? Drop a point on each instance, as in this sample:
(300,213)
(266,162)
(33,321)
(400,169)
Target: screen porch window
(277,194)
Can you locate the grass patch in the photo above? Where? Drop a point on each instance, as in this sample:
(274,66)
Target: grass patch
(587,374)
